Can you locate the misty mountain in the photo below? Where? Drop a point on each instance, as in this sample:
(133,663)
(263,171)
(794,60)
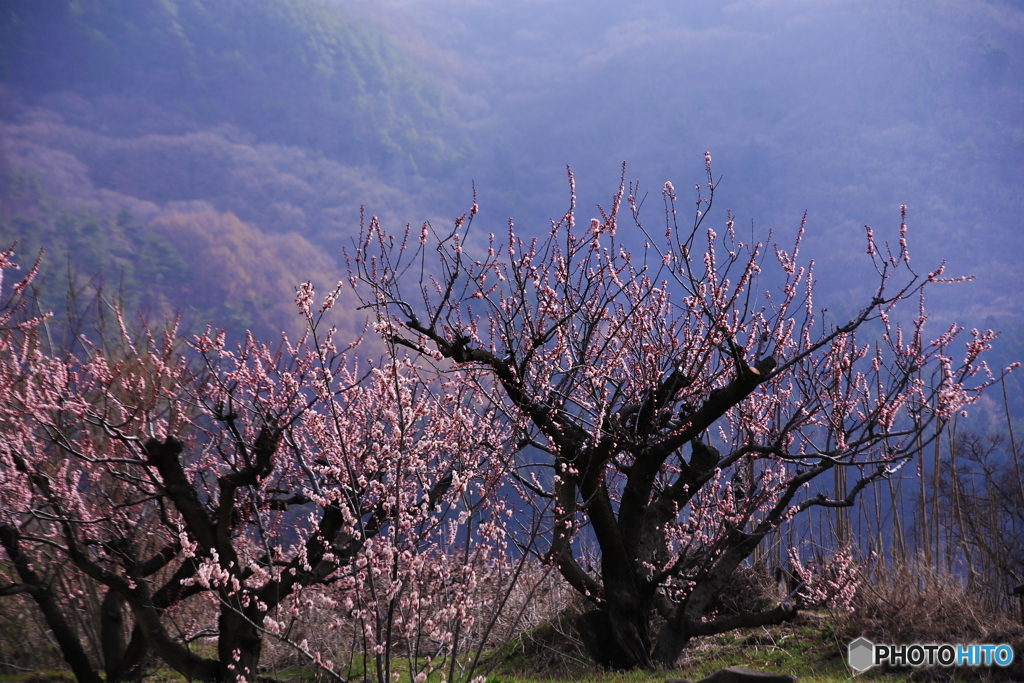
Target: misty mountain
(288,115)
(846,109)
(295,72)
(132,133)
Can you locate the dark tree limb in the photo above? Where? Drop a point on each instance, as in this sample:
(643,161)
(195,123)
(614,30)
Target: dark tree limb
(67,639)
(782,613)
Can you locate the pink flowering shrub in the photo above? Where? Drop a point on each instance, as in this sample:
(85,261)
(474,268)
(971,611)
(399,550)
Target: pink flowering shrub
(833,585)
(211,491)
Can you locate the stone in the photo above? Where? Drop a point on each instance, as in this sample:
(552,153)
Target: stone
(736,674)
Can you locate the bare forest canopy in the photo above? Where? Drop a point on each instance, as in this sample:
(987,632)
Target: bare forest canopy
(149,122)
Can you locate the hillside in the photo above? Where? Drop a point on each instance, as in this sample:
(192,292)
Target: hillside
(131,132)
(292,114)
(294,72)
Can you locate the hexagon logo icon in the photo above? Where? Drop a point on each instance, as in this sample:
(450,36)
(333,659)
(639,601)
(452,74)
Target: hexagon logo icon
(861,654)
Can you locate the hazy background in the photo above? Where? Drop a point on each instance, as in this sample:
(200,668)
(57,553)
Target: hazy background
(845,109)
(208,155)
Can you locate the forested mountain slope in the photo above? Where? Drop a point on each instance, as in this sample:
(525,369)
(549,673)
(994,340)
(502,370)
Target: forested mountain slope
(295,72)
(291,114)
(206,155)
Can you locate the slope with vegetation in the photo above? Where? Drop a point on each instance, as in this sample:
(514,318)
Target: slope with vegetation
(296,72)
(260,126)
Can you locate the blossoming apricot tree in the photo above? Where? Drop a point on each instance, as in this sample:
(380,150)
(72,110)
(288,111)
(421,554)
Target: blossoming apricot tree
(667,406)
(203,487)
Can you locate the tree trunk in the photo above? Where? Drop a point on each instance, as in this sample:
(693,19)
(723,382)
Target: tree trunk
(613,642)
(617,635)
(671,642)
(239,644)
(121,661)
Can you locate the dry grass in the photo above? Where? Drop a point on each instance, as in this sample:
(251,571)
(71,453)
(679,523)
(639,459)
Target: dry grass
(911,603)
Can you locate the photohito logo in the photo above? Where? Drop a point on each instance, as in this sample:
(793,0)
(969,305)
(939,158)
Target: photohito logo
(863,654)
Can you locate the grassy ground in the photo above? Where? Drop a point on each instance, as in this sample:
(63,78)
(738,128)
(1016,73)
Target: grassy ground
(804,648)
(808,648)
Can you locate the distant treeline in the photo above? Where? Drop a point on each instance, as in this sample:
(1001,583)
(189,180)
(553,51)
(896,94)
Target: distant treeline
(187,259)
(297,72)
